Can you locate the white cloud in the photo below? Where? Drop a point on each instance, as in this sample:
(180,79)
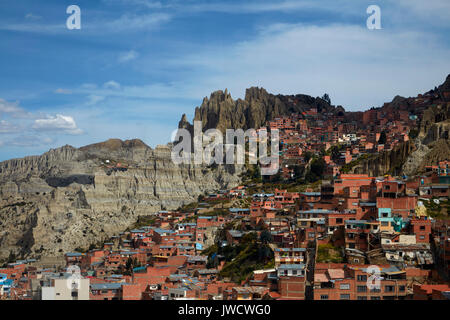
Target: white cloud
(263,6)
(57,123)
(359,68)
(9,107)
(128,56)
(125,23)
(27,129)
(35,28)
(248,6)
(28,140)
(179,90)
(12,108)
(63,91)
(94,99)
(129,22)
(113,85)
(89,86)
(31,16)
(7,127)
(145,3)
(435,12)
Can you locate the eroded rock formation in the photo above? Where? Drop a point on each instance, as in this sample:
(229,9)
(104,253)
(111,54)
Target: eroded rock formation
(69,198)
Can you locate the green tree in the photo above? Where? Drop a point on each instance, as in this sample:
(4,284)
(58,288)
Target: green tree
(383,137)
(130,265)
(326,97)
(335,152)
(308,155)
(298,171)
(265,237)
(249,238)
(316,170)
(413,133)
(318,167)
(12,257)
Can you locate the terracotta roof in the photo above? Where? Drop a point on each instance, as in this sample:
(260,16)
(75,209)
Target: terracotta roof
(336,273)
(274,294)
(430,287)
(321,277)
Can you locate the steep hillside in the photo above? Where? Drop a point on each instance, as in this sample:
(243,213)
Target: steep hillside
(69,198)
(222,112)
(430,146)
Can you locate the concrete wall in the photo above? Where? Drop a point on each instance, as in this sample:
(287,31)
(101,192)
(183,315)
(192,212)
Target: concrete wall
(61,290)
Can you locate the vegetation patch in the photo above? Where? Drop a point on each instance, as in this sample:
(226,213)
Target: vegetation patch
(329,253)
(439,210)
(242,259)
(346,168)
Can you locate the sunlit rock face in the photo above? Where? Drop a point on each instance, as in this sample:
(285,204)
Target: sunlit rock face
(69,198)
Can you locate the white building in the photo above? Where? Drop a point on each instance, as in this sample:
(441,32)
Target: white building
(66,287)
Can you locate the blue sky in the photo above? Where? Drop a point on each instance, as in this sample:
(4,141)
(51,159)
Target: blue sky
(137,65)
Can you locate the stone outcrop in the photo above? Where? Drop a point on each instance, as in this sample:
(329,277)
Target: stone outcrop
(69,198)
(388,162)
(432,144)
(222,112)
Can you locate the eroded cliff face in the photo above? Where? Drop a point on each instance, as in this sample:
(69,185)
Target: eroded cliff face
(411,157)
(220,111)
(69,198)
(388,162)
(431,145)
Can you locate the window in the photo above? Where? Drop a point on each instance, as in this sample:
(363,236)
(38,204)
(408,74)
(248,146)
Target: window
(362,298)
(362,277)
(339,220)
(345,286)
(375,298)
(375,290)
(401,288)
(362,288)
(422,237)
(324,297)
(345,297)
(422,227)
(389,288)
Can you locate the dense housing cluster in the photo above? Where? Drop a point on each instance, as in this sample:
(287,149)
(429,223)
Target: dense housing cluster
(321,229)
